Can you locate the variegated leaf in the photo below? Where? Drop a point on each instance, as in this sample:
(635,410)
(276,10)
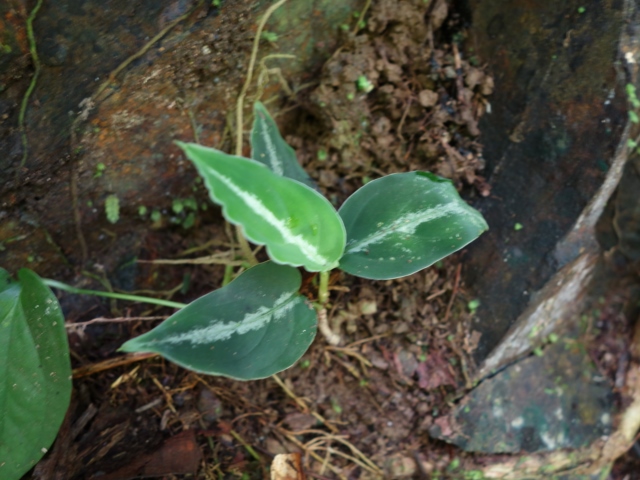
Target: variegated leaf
(404,222)
(254,327)
(268,147)
(298,225)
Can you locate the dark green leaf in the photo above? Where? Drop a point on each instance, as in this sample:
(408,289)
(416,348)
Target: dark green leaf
(254,327)
(35,373)
(402,223)
(268,147)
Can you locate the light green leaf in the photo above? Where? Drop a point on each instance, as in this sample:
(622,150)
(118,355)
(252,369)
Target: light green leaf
(254,327)
(404,222)
(268,147)
(297,224)
(35,372)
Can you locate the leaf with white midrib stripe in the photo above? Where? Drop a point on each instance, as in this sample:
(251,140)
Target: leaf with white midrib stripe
(254,327)
(402,223)
(268,147)
(298,225)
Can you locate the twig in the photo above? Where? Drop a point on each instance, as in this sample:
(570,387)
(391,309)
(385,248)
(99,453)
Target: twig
(459,81)
(247,82)
(302,404)
(361,16)
(145,48)
(204,246)
(194,126)
(435,295)
(370,466)
(247,447)
(361,464)
(350,368)
(454,292)
(149,406)
(370,339)
(165,394)
(111,363)
(266,71)
(71,326)
(242,241)
(348,351)
(215,259)
(404,117)
(301,446)
(245,248)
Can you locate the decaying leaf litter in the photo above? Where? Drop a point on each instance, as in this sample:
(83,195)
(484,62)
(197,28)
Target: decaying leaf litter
(400,94)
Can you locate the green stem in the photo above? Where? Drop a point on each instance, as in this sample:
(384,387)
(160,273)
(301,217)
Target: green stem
(323,288)
(32,85)
(245,248)
(228,275)
(119,296)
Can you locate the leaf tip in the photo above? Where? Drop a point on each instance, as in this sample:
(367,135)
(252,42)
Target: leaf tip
(181,144)
(130,346)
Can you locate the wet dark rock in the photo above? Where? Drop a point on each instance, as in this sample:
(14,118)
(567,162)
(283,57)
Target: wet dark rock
(560,113)
(128,130)
(552,401)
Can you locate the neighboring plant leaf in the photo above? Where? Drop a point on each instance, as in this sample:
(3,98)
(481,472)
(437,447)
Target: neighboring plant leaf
(404,222)
(35,372)
(254,327)
(297,224)
(268,147)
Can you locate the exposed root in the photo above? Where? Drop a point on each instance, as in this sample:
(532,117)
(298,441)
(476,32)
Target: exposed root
(323,325)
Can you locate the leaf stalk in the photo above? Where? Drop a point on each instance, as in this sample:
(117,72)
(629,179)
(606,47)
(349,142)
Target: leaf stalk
(118,296)
(323,288)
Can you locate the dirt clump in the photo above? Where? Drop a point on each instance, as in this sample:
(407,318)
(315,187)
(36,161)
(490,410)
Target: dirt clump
(395,98)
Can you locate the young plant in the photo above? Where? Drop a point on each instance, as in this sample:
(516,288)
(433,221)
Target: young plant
(260,324)
(257,325)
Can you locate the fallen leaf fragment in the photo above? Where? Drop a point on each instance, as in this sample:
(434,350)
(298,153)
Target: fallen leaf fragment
(178,455)
(287,466)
